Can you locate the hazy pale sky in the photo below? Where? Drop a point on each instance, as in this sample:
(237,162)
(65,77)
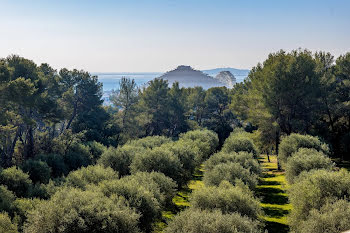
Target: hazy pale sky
(158,35)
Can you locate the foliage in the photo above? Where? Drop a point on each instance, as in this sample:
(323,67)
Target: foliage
(149,142)
(73,210)
(332,217)
(239,141)
(245,159)
(314,189)
(16,181)
(55,162)
(156,183)
(38,170)
(119,158)
(96,149)
(159,160)
(85,176)
(227,198)
(207,141)
(6,225)
(6,199)
(137,196)
(204,221)
(231,172)
(305,160)
(187,154)
(293,142)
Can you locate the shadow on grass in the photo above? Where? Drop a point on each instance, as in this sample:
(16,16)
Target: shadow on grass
(269,182)
(275,227)
(275,212)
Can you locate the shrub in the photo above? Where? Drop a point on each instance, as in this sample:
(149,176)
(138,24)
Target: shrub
(239,141)
(16,181)
(6,199)
(55,162)
(74,210)
(231,172)
(228,199)
(204,221)
(137,196)
(156,183)
(77,156)
(38,170)
(245,159)
(306,160)
(332,217)
(90,175)
(206,140)
(22,207)
(96,149)
(149,142)
(6,225)
(119,159)
(187,155)
(313,189)
(158,160)
(293,142)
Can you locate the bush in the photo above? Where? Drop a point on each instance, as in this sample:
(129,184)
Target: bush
(231,172)
(158,160)
(22,207)
(77,156)
(137,196)
(228,199)
(312,190)
(245,159)
(119,159)
(187,155)
(203,221)
(96,149)
(6,225)
(206,140)
(55,162)
(6,199)
(294,142)
(306,160)
(74,210)
(38,170)
(156,183)
(149,142)
(91,175)
(332,217)
(239,141)
(16,181)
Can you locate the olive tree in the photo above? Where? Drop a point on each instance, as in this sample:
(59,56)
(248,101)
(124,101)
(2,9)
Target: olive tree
(227,198)
(195,220)
(231,172)
(77,211)
(292,143)
(243,158)
(305,160)
(311,190)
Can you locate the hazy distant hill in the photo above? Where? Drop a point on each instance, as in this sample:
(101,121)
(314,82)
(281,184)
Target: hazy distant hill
(240,74)
(188,77)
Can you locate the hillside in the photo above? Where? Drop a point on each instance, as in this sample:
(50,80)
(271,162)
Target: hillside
(188,77)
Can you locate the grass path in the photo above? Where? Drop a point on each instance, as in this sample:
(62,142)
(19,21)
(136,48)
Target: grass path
(181,200)
(274,200)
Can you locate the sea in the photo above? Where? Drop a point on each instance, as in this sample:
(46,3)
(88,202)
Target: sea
(111,81)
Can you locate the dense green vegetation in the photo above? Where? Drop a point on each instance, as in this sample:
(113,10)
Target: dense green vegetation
(70,164)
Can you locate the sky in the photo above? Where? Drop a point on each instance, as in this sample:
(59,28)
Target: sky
(158,35)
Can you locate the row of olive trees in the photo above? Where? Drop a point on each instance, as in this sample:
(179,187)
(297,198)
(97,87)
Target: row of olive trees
(319,193)
(124,190)
(226,203)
